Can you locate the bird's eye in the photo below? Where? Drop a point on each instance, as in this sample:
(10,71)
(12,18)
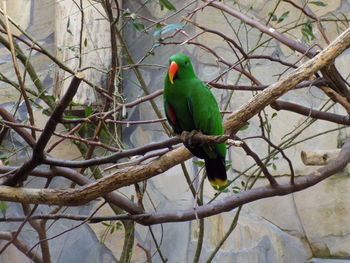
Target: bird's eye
(186,62)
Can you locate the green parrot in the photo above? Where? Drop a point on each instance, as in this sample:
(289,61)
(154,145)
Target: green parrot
(189,105)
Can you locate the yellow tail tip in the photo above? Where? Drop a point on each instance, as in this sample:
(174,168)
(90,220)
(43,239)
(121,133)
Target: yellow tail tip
(218,182)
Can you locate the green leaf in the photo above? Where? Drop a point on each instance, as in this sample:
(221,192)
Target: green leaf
(72,103)
(85,42)
(274,166)
(221,188)
(3,207)
(318,3)
(198,163)
(236,189)
(139,26)
(88,111)
(167,5)
(118,225)
(282,17)
(244,127)
(306,30)
(47,111)
(71,117)
(274,115)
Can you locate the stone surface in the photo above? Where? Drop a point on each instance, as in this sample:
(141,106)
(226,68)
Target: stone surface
(94,36)
(254,239)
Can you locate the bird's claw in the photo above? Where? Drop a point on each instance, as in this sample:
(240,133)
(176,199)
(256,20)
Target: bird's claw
(187,137)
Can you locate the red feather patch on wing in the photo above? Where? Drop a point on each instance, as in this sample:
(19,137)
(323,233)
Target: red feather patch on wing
(171,114)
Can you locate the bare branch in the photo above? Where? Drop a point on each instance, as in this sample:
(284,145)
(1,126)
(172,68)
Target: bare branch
(21,246)
(327,116)
(38,151)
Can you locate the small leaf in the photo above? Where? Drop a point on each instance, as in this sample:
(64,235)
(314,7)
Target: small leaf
(306,30)
(221,188)
(274,166)
(139,26)
(198,163)
(72,103)
(88,111)
(47,111)
(244,127)
(85,42)
(282,17)
(3,207)
(274,115)
(236,189)
(167,5)
(118,225)
(71,117)
(318,3)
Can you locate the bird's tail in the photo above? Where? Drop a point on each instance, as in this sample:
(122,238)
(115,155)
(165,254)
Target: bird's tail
(216,171)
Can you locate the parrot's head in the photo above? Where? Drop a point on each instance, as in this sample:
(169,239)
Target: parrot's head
(180,67)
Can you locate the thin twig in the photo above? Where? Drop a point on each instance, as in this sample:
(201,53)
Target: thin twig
(258,161)
(17,71)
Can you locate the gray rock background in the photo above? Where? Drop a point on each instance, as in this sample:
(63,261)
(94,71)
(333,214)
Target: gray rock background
(293,228)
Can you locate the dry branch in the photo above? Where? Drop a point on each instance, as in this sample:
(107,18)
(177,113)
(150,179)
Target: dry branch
(38,150)
(321,115)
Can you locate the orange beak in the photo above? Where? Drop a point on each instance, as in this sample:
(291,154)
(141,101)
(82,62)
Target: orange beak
(172,71)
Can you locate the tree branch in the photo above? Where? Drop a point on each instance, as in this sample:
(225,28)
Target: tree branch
(38,150)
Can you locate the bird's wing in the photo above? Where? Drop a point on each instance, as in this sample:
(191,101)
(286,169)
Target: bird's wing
(171,116)
(207,116)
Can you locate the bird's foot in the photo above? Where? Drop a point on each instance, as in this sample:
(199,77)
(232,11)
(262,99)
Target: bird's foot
(187,137)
